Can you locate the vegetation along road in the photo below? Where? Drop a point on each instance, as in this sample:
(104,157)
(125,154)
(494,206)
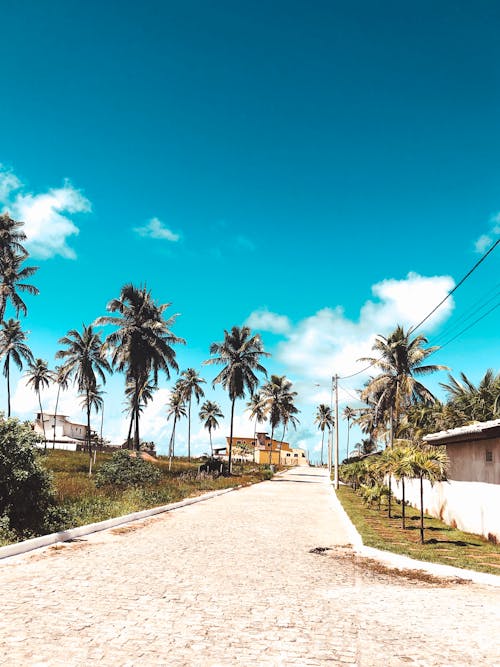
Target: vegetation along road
(237,580)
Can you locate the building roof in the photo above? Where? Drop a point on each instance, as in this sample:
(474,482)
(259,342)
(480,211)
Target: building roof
(476,431)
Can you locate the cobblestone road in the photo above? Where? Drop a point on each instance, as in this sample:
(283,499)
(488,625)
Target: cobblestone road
(231,581)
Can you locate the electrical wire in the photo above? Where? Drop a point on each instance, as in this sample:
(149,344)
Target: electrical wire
(469,327)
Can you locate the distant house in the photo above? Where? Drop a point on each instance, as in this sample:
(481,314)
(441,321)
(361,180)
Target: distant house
(470,499)
(68,435)
(262,449)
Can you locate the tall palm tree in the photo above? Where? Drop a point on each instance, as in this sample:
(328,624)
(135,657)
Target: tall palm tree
(349,414)
(13,347)
(93,399)
(257,408)
(278,400)
(146,392)
(240,353)
(324,419)
(190,386)
(288,414)
(209,413)
(12,281)
(61,377)
(142,342)
(176,409)
(400,360)
(84,362)
(39,377)
(11,235)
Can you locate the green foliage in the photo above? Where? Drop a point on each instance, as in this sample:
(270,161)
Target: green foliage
(26,493)
(124,470)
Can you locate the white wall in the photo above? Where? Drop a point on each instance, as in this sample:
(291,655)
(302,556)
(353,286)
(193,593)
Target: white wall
(472,506)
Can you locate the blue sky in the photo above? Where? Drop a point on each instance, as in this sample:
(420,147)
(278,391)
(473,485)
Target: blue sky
(319,170)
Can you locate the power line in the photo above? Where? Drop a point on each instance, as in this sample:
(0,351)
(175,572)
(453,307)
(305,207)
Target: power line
(417,326)
(469,327)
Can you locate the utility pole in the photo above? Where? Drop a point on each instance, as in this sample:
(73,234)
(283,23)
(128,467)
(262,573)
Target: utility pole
(336,475)
(330,435)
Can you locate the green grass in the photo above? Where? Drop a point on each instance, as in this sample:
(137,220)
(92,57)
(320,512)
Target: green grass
(81,502)
(443,544)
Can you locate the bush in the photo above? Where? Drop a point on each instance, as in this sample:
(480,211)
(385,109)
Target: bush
(124,470)
(26,493)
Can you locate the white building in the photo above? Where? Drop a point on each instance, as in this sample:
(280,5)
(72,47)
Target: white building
(68,435)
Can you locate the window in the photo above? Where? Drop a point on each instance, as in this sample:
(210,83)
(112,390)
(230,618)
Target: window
(489,456)
(296,456)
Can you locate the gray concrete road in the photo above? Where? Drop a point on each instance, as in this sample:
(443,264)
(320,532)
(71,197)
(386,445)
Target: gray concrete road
(232,581)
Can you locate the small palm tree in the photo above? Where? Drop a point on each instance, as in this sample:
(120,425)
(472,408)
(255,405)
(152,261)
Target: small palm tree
(209,413)
(39,377)
(429,464)
(240,353)
(349,414)
(85,361)
(324,419)
(61,377)
(176,409)
(190,383)
(13,347)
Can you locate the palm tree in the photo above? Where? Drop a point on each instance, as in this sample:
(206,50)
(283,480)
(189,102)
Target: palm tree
(85,361)
(348,413)
(471,403)
(61,377)
(209,413)
(256,407)
(396,462)
(176,409)
(288,412)
(240,353)
(400,360)
(429,464)
(190,385)
(13,347)
(39,377)
(142,343)
(12,275)
(324,419)
(278,401)
(93,399)
(12,281)
(146,392)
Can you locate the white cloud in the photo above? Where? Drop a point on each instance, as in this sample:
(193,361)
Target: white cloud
(266,321)
(155,229)
(485,240)
(47,225)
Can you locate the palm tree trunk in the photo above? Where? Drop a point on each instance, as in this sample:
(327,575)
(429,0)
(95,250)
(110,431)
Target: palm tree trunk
(421,509)
(55,418)
(391,442)
(88,434)
(322,444)
(136,415)
(7,372)
(129,436)
(211,448)
(171,446)
(231,437)
(189,429)
(348,433)
(403,505)
(271,446)
(43,423)
(282,439)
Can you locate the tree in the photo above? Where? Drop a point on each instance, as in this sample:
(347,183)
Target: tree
(12,275)
(468,402)
(209,413)
(146,392)
(278,400)
(176,409)
(429,464)
(84,362)
(39,377)
(60,377)
(396,461)
(13,347)
(288,413)
(240,353)
(190,385)
(92,400)
(324,419)
(349,414)
(256,407)
(400,360)
(142,343)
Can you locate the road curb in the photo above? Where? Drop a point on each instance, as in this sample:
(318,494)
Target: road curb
(405,562)
(64,535)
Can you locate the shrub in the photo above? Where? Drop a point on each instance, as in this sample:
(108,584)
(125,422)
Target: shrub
(26,492)
(124,470)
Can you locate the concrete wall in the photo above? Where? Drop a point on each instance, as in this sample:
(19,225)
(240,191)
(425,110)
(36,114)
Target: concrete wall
(468,461)
(470,506)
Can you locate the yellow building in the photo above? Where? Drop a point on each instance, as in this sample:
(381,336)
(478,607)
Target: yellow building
(263,450)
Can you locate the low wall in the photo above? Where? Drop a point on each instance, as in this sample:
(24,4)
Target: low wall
(471,506)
